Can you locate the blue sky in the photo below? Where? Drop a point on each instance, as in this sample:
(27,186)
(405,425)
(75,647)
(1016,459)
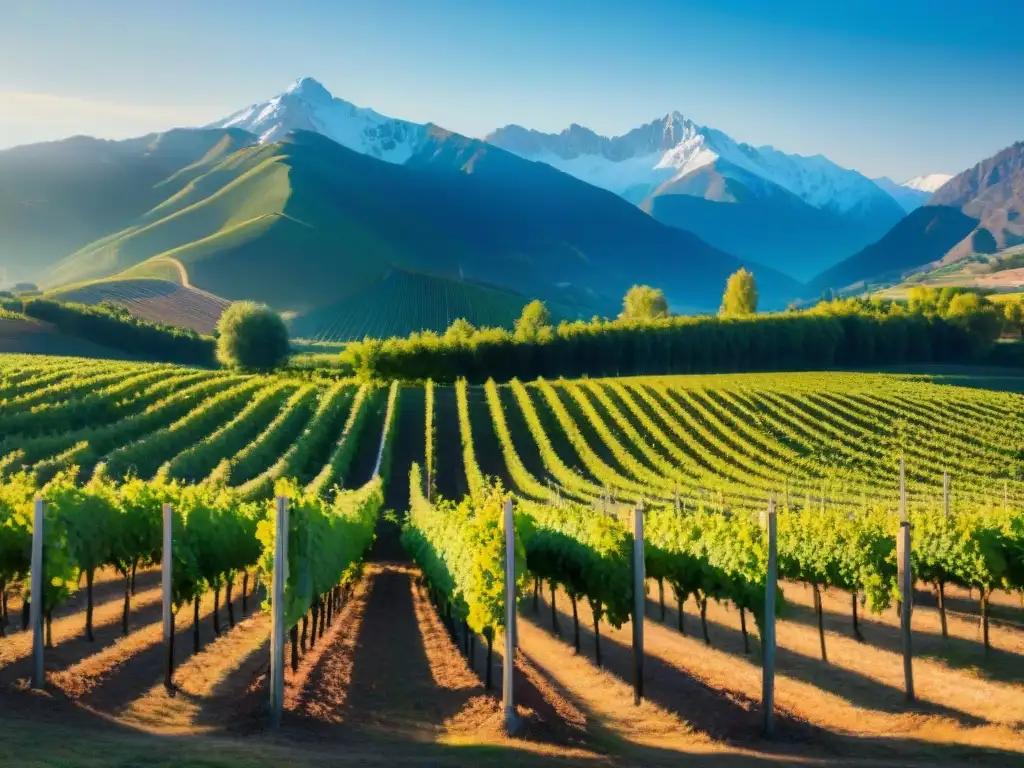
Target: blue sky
(894,87)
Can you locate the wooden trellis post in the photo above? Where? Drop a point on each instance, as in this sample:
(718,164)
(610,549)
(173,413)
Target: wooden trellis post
(166,575)
(277,628)
(508,665)
(639,601)
(768,641)
(38,603)
(906,583)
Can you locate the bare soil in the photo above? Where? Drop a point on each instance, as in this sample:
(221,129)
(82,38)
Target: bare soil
(390,683)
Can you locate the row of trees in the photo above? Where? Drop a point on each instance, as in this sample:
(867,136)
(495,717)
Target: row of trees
(249,336)
(646,339)
(114,326)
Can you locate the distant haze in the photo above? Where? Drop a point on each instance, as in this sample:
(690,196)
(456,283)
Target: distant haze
(898,89)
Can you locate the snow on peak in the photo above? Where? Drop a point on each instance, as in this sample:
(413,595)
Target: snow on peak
(310,89)
(927,183)
(637,163)
(307,105)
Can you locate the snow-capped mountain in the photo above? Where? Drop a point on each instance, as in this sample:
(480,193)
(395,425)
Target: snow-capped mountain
(911,199)
(308,106)
(645,160)
(914,193)
(798,214)
(929,183)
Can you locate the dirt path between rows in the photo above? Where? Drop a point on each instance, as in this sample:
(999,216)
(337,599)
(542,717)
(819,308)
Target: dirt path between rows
(848,707)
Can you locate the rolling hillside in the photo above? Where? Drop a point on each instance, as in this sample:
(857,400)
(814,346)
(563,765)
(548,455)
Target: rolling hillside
(59,196)
(159,301)
(403,302)
(924,236)
(306,223)
(992,192)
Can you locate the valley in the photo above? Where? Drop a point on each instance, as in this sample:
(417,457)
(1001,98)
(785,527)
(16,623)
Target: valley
(395,670)
(533,384)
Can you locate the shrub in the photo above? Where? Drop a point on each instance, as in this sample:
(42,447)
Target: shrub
(252,337)
(116,327)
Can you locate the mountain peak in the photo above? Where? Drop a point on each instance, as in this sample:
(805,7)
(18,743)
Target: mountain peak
(307,106)
(310,88)
(927,183)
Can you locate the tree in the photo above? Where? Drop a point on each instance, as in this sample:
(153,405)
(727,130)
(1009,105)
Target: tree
(534,322)
(923,299)
(460,331)
(1013,312)
(644,303)
(976,315)
(252,336)
(740,297)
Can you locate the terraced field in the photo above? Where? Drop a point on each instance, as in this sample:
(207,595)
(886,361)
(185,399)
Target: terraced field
(156,300)
(703,454)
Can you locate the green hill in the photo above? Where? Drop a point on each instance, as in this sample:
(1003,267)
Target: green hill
(924,236)
(306,225)
(403,302)
(155,300)
(59,196)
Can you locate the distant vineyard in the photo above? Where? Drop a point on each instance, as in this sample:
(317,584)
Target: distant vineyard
(721,440)
(404,302)
(160,301)
(106,443)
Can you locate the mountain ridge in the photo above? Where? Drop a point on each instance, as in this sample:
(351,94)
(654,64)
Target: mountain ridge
(304,222)
(667,165)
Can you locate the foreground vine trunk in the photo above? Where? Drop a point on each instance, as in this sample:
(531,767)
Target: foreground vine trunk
(489,634)
(216,611)
(986,593)
(702,604)
(942,608)
(126,612)
(856,627)
(821,621)
(743,628)
(554,611)
(196,644)
(89,575)
(575,624)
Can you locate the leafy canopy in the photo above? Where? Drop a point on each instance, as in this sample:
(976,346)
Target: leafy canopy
(740,297)
(534,324)
(642,302)
(460,331)
(252,337)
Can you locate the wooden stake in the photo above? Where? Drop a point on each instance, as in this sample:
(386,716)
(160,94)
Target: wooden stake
(277,631)
(768,641)
(37,608)
(639,601)
(166,583)
(906,580)
(510,621)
